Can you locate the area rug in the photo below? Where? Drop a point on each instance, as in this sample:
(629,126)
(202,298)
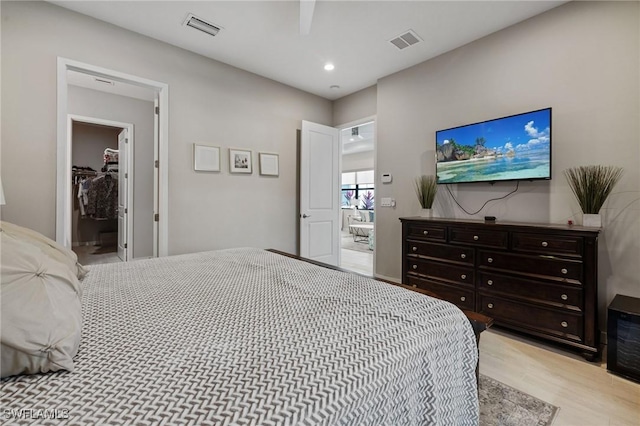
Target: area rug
(349,244)
(502,405)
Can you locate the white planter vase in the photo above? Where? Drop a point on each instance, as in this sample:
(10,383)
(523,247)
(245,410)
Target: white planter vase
(592,220)
(426,213)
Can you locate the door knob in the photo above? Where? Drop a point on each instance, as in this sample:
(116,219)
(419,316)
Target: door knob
(304,216)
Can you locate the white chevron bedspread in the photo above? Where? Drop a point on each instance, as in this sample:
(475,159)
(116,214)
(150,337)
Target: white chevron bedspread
(249,337)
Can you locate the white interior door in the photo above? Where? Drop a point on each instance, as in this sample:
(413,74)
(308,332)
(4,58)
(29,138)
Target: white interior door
(123,164)
(319,193)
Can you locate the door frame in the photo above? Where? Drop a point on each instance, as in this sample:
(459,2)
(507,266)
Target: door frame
(341,127)
(73,118)
(63,186)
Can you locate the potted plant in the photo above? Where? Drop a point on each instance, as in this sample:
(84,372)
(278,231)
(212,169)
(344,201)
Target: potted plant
(348,197)
(592,185)
(426,188)
(367,200)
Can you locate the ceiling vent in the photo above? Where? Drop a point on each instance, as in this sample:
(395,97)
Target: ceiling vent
(103,81)
(202,25)
(409,38)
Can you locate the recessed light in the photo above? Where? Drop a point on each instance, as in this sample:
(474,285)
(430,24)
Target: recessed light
(329,67)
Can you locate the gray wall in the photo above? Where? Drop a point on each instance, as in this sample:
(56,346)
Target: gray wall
(210,103)
(92,103)
(88,145)
(356,106)
(582,59)
(89,142)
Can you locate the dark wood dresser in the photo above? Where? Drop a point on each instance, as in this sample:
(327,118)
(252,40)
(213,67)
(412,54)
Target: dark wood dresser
(533,278)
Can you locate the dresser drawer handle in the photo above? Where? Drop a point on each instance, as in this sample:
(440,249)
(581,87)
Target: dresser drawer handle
(544,244)
(414,248)
(490,306)
(462,299)
(564,324)
(425,232)
(564,271)
(490,282)
(415,266)
(463,256)
(476,238)
(564,297)
(463,276)
(490,260)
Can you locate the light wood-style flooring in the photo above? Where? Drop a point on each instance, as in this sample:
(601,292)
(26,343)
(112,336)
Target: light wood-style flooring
(354,260)
(357,261)
(585,392)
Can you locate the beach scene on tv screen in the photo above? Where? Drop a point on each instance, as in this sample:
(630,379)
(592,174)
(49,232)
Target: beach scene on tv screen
(517,147)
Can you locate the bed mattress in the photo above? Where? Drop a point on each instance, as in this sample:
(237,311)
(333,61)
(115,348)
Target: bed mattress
(249,337)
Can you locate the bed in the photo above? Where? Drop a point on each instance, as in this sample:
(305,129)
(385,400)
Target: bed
(247,336)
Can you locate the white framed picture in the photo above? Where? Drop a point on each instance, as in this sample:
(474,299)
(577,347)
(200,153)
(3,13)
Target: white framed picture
(240,161)
(206,158)
(269,164)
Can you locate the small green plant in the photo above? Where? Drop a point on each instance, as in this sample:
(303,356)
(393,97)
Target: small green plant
(592,185)
(426,188)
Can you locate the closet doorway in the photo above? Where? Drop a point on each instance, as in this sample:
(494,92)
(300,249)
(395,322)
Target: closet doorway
(102,178)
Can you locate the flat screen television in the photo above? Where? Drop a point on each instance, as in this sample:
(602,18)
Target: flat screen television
(517,147)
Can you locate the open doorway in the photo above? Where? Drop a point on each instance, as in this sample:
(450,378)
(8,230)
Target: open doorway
(102,179)
(150,224)
(358,197)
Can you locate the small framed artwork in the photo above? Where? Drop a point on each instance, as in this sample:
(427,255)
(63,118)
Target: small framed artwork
(269,164)
(206,158)
(240,161)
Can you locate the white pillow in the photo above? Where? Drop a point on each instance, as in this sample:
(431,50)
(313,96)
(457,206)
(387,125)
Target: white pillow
(40,310)
(47,245)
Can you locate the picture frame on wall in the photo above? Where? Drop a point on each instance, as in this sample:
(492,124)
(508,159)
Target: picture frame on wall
(206,158)
(269,164)
(240,161)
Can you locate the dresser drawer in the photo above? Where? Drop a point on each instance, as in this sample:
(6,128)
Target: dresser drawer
(550,267)
(479,237)
(459,296)
(532,291)
(566,325)
(547,244)
(440,251)
(441,271)
(425,231)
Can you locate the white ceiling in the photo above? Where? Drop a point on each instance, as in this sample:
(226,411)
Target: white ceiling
(263,37)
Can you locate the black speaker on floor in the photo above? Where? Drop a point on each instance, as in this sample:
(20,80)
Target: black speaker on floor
(623,337)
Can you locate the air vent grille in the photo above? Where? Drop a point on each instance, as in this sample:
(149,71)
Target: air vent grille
(408,38)
(202,25)
(103,81)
